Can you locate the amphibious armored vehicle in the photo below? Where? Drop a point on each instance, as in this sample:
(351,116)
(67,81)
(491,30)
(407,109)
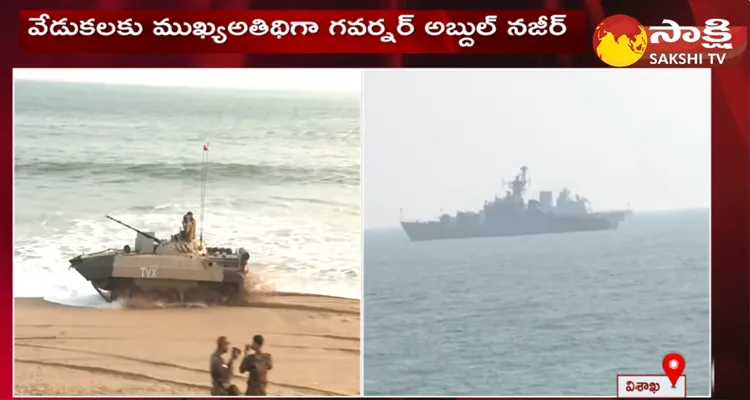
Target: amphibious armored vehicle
(171,270)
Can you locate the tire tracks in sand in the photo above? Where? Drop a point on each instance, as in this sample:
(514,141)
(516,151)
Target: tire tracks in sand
(147,377)
(308,333)
(52,337)
(44,338)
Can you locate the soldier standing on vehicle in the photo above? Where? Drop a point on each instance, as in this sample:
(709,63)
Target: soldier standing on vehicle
(190,231)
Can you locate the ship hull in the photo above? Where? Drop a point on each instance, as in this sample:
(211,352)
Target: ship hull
(424,231)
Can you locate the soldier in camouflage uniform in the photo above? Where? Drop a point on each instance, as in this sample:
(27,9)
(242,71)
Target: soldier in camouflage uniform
(187,233)
(190,231)
(257,364)
(221,372)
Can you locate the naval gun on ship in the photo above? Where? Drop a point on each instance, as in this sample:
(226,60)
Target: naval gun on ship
(171,270)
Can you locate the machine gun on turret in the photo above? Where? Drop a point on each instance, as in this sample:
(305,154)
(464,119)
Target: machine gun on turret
(152,237)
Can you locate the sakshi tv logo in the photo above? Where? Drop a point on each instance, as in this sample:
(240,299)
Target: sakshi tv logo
(622,41)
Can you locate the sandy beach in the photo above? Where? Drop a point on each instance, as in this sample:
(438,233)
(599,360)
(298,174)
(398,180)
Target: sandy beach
(61,350)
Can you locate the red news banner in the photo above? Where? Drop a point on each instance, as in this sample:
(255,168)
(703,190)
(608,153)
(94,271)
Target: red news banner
(307,32)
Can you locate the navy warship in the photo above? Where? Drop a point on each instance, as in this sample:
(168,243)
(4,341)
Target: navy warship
(511,215)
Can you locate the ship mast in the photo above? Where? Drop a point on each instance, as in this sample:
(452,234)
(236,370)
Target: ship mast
(518,185)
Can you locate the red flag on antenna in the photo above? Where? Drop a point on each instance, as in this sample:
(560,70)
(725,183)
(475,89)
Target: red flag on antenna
(205,147)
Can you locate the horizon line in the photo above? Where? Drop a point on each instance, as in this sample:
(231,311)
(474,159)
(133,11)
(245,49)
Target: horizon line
(340,92)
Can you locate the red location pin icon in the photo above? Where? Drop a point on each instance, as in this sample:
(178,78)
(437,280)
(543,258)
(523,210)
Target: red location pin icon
(674,365)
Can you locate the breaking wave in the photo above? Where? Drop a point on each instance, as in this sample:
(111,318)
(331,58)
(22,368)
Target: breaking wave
(284,183)
(188,171)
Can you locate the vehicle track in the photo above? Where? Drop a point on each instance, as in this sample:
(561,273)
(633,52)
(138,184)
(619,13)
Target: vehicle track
(297,307)
(40,346)
(51,337)
(148,362)
(335,337)
(123,374)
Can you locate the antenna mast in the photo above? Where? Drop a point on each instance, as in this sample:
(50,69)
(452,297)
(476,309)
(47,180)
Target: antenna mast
(203,186)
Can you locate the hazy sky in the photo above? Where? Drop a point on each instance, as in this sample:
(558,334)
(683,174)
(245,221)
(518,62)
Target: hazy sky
(308,80)
(445,139)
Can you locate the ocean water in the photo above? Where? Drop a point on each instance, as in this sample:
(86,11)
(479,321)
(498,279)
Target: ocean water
(283,180)
(558,314)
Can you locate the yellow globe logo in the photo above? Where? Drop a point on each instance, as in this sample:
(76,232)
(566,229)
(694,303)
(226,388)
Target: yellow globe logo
(620,40)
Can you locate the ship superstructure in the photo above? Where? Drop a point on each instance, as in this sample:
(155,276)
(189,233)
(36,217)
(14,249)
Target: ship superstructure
(511,215)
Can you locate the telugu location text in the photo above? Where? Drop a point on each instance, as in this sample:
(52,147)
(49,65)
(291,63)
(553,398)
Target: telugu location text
(686,58)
